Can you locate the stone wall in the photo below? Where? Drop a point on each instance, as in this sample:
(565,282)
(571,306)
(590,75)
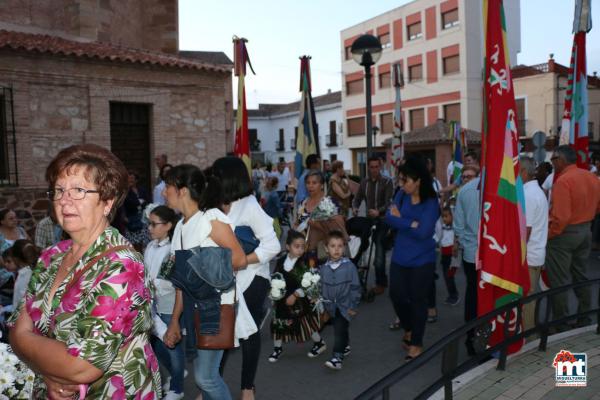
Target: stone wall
(60,101)
(144,24)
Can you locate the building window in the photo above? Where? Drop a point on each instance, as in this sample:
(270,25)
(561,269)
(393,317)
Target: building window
(385,40)
(451,64)
(348,52)
(254,141)
(386,121)
(414,31)
(450,19)
(417,118)
(452,112)
(415,72)
(332,140)
(281,141)
(333,157)
(354,87)
(8,150)
(385,80)
(521,117)
(295,139)
(356,126)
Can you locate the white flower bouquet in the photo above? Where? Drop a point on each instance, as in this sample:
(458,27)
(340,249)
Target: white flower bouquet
(16,380)
(310,285)
(326,209)
(277,287)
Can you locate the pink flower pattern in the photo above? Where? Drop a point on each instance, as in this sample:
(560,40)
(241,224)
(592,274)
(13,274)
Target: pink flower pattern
(117,312)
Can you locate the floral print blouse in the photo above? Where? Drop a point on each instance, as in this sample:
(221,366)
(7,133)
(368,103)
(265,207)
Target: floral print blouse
(104,317)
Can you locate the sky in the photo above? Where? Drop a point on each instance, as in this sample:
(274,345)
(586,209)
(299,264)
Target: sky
(280,31)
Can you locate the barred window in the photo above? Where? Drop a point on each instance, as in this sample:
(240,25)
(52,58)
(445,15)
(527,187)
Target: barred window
(8,149)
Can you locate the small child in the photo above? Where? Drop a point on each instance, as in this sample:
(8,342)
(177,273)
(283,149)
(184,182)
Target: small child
(294,318)
(446,249)
(23,254)
(341,292)
(162,221)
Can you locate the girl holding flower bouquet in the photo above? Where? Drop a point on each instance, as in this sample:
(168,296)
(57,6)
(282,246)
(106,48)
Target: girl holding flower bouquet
(293,289)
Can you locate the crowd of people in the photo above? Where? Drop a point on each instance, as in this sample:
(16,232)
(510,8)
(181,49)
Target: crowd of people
(94,317)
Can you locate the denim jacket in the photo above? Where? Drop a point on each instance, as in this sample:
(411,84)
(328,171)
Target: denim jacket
(340,287)
(202,273)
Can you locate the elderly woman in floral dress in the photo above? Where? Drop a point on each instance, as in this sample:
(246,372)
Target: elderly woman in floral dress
(317,214)
(83,324)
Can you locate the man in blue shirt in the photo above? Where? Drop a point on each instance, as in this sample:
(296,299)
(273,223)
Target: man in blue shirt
(466,229)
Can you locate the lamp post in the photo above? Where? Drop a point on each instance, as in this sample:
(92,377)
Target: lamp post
(366,51)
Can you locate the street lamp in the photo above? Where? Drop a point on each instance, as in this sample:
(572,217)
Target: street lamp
(366,51)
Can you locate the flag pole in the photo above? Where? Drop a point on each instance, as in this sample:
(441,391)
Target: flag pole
(241,147)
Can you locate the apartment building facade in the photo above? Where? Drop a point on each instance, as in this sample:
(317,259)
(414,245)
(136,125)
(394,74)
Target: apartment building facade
(439,46)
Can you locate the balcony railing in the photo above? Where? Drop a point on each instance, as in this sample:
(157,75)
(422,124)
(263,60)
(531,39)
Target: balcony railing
(255,145)
(280,145)
(333,140)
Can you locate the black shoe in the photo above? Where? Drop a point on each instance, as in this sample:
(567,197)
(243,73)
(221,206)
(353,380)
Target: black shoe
(347,351)
(317,349)
(275,354)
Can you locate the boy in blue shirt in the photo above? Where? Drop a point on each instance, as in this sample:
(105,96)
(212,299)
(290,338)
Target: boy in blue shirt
(341,291)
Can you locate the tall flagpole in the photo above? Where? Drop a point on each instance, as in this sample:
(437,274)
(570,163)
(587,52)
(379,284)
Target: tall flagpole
(574,127)
(307,141)
(242,140)
(397,140)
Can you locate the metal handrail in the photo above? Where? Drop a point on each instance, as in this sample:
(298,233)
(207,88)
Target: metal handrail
(448,345)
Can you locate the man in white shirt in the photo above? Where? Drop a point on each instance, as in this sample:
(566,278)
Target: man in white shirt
(536,216)
(283,175)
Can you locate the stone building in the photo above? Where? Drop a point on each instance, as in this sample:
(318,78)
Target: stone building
(107,72)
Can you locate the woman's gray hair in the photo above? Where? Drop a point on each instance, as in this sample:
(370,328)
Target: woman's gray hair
(317,173)
(527,165)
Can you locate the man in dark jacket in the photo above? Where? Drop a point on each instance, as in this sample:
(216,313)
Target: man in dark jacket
(376,191)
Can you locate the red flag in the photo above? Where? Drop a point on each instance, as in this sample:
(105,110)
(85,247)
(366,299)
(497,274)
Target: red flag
(574,128)
(501,259)
(242,140)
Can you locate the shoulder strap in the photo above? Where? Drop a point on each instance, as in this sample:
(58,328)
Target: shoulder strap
(93,261)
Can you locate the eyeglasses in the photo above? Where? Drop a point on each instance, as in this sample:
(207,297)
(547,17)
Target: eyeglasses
(75,193)
(467,177)
(153,224)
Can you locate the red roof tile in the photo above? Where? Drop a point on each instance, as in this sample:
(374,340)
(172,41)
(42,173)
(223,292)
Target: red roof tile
(101,51)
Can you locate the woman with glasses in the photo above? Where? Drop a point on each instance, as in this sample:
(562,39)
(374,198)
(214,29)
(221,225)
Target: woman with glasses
(413,214)
(86,314)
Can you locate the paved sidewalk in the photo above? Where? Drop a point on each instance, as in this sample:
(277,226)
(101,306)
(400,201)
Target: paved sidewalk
(531,376)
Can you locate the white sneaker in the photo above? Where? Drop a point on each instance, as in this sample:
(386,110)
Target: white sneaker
(171,395)
(167,383)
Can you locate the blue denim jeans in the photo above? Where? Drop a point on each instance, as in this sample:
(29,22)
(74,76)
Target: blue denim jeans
(207,377)
(172,359)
